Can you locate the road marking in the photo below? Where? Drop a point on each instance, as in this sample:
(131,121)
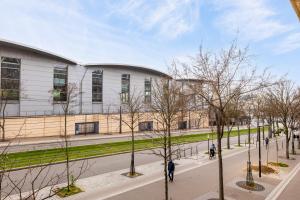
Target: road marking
(282,185)
(162,178)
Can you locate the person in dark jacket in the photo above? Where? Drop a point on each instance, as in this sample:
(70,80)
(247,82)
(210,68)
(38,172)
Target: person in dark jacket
(171,169)
(267,142)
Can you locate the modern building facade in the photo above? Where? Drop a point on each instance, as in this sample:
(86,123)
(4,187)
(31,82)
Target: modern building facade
(35,84)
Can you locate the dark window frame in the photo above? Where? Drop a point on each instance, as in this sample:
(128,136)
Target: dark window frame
(125,88)
(61,89)
(147,90)
(97,86)
(11,75)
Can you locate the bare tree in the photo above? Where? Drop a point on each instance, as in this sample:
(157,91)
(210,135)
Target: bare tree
(133,108)
(223,77)
(285,101)
(166,105)
(69,94)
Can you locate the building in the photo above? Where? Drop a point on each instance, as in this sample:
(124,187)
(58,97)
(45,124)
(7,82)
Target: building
(35,84)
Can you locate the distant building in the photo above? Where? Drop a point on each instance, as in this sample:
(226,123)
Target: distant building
(35,82)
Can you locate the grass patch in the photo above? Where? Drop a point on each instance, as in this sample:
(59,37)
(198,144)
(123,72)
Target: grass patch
(63,192)
(29,158)
(280,164)
(264,169)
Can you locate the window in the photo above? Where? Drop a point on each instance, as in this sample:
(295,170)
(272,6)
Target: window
(97,79)
(148,90)
(146,126)
(182,125)
(86,128)
(10,78)
(60,84)
(125,88)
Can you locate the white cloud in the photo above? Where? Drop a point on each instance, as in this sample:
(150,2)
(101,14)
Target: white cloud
(171,18)
(288,44)
(254,19)
(62,27)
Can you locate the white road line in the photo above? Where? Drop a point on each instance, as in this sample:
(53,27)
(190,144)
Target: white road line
(282,185)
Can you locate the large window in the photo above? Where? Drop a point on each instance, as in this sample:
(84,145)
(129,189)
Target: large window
(146,126)
(60,84)
(86,128)
(125,90)
(148,90)
(97,80)
(10,78)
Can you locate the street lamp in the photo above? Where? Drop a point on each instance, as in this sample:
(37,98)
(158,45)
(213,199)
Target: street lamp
(208,144)
(259,153)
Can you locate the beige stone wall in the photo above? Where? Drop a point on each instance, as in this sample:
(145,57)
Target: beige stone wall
(43,126)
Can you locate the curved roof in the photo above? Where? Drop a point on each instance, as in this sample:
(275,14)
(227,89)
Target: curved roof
(132,67)
(38,51)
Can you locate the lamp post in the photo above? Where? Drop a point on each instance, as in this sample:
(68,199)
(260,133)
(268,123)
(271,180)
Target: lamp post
(208,144)
(259,153)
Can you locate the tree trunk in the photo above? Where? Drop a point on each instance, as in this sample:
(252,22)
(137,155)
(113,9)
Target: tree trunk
(287,143)
(263,129)
(220,161)
(298,141)
(228,138)
(239,134)
(293,143)
(166,170)
(67,153)
(132,168)
(169,141)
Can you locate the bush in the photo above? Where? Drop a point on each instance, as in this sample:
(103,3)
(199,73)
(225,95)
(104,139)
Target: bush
(280,164)
(63,192)
(264,169)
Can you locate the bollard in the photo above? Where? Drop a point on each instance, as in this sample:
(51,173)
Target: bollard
(196,149)
(177,154)
(184,153)
(191,151)
(282,144)
(245,142)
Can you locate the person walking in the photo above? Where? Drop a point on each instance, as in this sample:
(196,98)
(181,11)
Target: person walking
(171,169)
(267,142)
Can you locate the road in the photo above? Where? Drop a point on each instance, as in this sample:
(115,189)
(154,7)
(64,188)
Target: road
(102,165)
(30,144)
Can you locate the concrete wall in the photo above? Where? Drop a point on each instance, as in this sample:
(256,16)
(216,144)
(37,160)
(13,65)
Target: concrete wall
(43,126)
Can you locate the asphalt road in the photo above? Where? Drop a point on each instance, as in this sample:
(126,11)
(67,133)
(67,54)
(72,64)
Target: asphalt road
(97,166)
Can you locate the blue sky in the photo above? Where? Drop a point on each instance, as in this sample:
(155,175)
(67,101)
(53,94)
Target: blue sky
(154,32)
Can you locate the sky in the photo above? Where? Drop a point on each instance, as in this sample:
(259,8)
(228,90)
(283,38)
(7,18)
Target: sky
(152,33)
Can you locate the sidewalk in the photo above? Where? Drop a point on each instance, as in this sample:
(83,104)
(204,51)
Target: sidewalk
(106,185)
(73,138)
(76,140)
(196,178)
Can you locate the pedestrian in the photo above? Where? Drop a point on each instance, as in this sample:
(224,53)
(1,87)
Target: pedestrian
(212,151)
(267,142)
(171,169)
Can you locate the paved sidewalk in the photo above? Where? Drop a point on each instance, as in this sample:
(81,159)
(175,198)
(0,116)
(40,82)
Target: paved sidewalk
(109,184)
(105,185)
(54,139)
